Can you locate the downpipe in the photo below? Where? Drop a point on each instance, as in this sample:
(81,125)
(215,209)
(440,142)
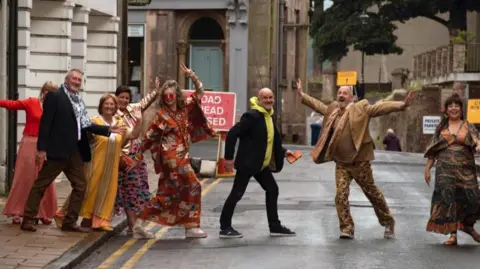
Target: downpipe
(12,73)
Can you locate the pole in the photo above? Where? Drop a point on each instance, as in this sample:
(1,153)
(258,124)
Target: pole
(122,49)
(12,88)
(281,12)
(363,68)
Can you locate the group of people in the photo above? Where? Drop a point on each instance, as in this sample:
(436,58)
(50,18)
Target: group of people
(346,140)
(103,158)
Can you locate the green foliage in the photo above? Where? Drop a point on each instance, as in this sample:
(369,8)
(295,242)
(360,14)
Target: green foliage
(336,29)
(463,37)
(341,26)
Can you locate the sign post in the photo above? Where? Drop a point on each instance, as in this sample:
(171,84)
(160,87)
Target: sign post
(430,124)
(473,111)
(347,78)
(219,108)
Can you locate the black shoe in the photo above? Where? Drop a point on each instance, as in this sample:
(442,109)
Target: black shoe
(230,233)
(281,231)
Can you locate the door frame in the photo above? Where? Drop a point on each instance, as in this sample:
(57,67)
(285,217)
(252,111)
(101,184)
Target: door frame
(206,43)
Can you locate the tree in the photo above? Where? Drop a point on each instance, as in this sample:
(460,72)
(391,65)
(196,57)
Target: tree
(403,10)
(340,26)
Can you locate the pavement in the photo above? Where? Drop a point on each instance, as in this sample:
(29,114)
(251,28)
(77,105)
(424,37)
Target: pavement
(306,204)
(49,247)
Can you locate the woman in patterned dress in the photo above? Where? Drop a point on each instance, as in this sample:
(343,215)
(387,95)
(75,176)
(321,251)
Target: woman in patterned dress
(456,197)
(133,190)
(178,121)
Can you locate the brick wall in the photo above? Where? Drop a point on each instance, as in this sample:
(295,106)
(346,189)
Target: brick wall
(408,124)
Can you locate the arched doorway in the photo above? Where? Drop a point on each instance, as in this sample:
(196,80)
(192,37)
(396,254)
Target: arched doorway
(206,55)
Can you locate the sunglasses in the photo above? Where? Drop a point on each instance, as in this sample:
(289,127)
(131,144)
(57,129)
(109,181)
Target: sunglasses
(169,96)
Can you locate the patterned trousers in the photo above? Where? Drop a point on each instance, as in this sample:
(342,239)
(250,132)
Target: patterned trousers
(362,173)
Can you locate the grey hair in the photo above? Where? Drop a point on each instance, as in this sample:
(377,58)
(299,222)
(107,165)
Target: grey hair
(390,131)
(73,70)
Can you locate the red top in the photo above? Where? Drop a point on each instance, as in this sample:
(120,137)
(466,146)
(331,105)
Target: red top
(32,108)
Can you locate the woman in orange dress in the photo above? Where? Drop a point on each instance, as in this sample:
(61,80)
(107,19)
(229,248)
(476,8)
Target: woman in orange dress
(178,120)
(24,175)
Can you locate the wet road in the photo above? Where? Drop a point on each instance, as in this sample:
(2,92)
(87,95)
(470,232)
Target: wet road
(306,205)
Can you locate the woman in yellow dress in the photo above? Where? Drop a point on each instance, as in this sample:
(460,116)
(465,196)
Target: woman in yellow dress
(102,172)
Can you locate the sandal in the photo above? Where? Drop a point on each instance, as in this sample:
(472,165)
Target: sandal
(452,241)
(16,220)
(46,221)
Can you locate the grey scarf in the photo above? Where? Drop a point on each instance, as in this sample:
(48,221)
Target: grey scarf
(78,107)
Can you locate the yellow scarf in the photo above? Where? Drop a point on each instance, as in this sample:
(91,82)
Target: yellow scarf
(270,130)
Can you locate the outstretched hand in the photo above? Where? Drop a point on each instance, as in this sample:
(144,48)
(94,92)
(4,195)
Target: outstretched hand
(186,70)
(299,88)
(411,95)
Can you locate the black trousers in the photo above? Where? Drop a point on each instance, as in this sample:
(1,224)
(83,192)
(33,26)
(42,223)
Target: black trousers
(240,183)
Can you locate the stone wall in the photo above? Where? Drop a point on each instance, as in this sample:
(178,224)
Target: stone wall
(408,124)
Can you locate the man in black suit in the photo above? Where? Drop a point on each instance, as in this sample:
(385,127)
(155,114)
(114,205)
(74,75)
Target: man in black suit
(259,154)
(63,146)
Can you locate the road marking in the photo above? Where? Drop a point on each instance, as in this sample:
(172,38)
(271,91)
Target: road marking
(117,254)
(139,254)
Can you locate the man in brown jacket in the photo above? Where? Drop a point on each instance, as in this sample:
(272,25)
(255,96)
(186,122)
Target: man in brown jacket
(346,140)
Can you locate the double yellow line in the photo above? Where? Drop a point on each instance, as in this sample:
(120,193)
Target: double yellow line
(139,254)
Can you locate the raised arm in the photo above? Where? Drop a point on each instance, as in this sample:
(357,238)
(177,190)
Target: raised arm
(309,101)
(386,107)
(13,104)
(199,91)
(238,130)
(314,104)
(383,108)
(49,110)
(148,100)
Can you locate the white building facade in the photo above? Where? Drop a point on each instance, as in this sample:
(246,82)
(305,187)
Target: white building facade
(55,36)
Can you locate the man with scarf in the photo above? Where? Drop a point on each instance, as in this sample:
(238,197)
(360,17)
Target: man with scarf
(63,146)
(346,140)
(259,154)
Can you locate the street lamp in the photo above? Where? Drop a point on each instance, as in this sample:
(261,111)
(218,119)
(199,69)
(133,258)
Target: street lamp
(363,18)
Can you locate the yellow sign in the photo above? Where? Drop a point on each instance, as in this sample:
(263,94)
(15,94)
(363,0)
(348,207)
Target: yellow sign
(347,78)
(473,111)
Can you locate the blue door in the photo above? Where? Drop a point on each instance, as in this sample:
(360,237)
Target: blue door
(207,63)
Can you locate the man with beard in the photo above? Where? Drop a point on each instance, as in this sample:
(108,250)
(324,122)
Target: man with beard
(346,140)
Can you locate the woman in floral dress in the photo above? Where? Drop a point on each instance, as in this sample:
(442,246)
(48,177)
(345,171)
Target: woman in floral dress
(133,190)
(456,197)
(178,121)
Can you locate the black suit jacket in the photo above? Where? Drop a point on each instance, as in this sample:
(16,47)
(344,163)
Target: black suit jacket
(252,132)
(58,133)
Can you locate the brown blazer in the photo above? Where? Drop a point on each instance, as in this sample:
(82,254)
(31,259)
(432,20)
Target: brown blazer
(359,115)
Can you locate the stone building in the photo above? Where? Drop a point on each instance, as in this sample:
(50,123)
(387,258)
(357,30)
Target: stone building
(54,36)
(231,45)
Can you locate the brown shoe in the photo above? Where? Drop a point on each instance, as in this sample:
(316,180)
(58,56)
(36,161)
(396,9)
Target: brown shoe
(28,225)
(75,228)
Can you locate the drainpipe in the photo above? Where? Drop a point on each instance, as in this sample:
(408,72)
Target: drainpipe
(281,17)
(12,88)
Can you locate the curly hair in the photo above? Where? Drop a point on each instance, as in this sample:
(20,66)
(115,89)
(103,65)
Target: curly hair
(150,113)
(454,99)
(178,92)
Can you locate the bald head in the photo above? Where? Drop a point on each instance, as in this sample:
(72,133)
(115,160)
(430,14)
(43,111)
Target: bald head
(345,96)
(265,98)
